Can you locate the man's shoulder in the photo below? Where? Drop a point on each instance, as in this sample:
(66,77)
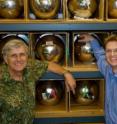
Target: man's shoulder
(35,63)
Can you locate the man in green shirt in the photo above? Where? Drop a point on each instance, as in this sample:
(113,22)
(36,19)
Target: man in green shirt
(17,82)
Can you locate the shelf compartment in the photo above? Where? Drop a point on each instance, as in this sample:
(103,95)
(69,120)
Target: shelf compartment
(51,46)
(82,56)
(36,15)
(14,15)
(46,103)
(97,16)
(111,11)
(80,105)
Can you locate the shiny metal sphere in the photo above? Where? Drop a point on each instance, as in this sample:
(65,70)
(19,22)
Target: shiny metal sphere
(82,8)
(50,47)
(11,8)
(49,92)
(45,9)
(86,92)
(112,8)
(4,38)
(83,52)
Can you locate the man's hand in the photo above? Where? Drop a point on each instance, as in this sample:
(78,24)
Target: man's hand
(69,79)
(86,37)
(70,82)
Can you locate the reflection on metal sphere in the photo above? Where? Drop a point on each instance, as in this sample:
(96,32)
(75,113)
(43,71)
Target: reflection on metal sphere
(4,38)
(50,47)
(10,8)
(112,8)
(49,92)
(45,9)
(86,92)
(83,51)
(82,8)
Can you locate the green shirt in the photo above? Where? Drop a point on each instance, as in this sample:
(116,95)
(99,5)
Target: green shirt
(17,98)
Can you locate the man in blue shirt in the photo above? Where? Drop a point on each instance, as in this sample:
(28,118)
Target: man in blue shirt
(107,63)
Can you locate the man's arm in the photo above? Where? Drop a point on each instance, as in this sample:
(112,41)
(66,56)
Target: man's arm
(98,51)
(69,79)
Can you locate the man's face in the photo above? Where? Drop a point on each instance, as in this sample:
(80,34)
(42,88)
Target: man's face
(111,53)
(17,59)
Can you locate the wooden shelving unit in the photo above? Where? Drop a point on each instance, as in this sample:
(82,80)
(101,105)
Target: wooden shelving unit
(67,111)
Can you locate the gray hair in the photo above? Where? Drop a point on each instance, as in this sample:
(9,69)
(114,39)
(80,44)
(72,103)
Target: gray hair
(13,43)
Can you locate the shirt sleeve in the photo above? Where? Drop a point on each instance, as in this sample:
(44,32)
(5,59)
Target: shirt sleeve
(99,54)
(38,68)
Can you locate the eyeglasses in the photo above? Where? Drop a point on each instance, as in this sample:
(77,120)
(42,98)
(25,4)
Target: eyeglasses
(111,51)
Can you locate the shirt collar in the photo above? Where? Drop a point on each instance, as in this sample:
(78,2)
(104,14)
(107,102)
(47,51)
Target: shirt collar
(111,71)
(115,74)
(5,74)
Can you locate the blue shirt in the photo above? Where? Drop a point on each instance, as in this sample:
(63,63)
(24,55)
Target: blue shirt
(111,83)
